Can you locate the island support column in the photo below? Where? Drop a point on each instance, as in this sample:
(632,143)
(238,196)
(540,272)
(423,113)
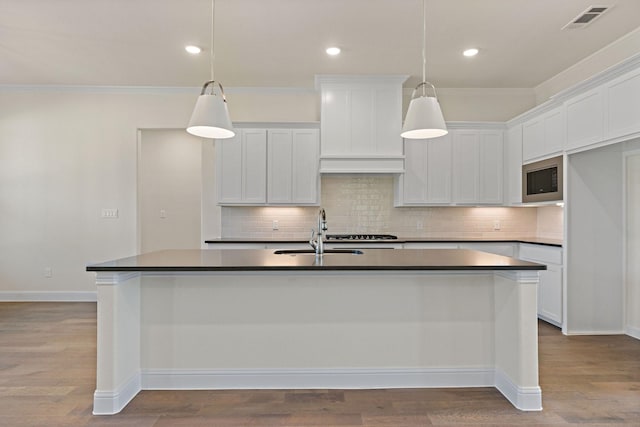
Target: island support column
(118,346)
(516,338)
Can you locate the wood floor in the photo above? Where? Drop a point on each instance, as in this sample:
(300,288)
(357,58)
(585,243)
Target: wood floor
(47,378)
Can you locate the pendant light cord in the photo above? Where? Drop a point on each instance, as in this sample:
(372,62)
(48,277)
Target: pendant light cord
(213,20)
(424,46)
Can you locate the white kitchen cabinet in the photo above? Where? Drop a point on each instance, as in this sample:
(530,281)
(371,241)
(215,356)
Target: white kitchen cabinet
(361,121)
(427,177)
(292,166)
(241,164)
(478,161)
(622,96)
(268,167)
(550,292)
(585,119)
(544,136)
(513,166)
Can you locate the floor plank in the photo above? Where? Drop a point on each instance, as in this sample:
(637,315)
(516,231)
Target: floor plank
(47,378)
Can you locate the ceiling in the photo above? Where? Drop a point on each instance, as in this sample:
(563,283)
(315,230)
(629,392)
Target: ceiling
(281,43)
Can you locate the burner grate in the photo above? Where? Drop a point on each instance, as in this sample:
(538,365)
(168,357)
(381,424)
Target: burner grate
(361,237)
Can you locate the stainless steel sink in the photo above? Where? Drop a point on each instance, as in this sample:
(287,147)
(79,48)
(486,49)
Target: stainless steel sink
(313,252)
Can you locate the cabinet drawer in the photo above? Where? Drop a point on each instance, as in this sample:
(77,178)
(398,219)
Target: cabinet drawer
(541,253)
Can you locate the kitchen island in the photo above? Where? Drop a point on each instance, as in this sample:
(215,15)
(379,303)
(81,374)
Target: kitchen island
(378,318)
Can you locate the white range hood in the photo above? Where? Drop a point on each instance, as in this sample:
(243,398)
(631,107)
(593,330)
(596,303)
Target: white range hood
(361,121)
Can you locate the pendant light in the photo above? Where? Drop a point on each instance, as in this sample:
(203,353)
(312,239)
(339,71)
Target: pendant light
(210,118)
(424,117)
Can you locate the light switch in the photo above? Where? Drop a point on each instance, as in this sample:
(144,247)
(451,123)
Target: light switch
(163,213)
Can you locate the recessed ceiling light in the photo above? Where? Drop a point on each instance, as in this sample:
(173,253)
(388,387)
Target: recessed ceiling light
(333,51)
(470,52)
(194,50)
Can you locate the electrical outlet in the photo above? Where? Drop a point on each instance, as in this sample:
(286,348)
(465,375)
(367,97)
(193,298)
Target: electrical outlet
(419,224)
(163,213)
(109,213)
(275,225)
(48,272)
(496,224)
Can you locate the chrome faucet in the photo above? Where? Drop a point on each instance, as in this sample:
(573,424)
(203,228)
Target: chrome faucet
(318,243)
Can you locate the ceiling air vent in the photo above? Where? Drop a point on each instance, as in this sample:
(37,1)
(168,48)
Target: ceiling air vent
(587,17)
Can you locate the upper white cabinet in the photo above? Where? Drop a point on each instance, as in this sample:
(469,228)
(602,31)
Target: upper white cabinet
(585,119)
(463,167)
(242,167)
(513,166)
(602,110)
(268,167)
(544,136)
(361,121)
(623,105)
(478,161)
(292,166)
(427,177)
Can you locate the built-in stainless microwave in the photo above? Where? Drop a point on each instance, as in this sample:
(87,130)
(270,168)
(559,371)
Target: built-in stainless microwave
(542,181)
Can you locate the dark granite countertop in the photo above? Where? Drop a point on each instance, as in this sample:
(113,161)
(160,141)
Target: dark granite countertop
(531,240)
(266,260)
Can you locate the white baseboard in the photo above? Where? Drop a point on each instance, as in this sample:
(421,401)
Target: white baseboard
(633,332)
(53,296)
(112,402)
(523,398)
(186,379)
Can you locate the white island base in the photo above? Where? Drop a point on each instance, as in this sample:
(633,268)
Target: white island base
(316,329)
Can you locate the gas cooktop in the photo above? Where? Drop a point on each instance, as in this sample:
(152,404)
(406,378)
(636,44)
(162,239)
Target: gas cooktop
(361,237)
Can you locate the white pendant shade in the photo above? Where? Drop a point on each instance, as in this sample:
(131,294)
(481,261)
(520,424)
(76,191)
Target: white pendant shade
(424,119)
(210,118)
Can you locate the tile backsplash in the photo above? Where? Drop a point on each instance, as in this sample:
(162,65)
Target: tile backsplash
(364,204)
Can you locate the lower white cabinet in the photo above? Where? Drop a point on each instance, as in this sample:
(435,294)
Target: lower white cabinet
(550,293)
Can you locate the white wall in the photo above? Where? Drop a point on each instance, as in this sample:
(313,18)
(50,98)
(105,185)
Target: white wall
(621,49)
(633,244)
(476,104)
(169,190)
(66,153)
(593,203)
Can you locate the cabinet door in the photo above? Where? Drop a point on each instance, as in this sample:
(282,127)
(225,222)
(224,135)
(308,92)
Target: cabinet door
(254,165)
(415,190)
(280,165)
(550,294)
(465,167)
(304,155)
(439,170)
(229,168)
(514,165)
(554,132)
(491,161)
(623,105)
(585,119)
(532,139)
(427,177)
